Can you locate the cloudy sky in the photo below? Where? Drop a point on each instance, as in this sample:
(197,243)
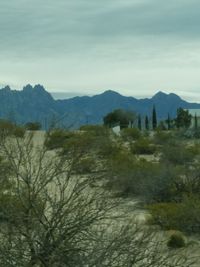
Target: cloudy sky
(136,47)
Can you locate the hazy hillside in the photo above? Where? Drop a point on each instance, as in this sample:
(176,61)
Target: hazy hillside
(36,104)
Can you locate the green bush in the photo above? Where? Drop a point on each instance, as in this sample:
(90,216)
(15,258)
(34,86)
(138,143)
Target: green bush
(177,154)
(57,138)
(191,133)
(184,216)
(194,149)
(96,130)
(18,131)
(108,149)
(190,215)
(33,126)
(79,144)
(129,134)
(84,166)
(165,215)
(130,176)
(120,172)
(163,137)
(143,146)
(8,128)
(176,240)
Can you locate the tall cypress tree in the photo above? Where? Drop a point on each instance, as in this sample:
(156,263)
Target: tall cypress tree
(139,123)
(147,123)
(168,122)
(154,118)
(195,122)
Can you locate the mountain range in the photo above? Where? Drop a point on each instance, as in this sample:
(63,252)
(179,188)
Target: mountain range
(36,104)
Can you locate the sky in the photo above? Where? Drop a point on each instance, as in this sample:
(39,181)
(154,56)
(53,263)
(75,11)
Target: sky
(135,47)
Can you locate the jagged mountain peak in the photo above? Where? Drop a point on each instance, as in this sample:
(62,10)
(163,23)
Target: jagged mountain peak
(6,88)
(37,87)
(37,91)
(28,87)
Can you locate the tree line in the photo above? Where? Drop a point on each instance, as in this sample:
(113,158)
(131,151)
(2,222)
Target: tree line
(128,118)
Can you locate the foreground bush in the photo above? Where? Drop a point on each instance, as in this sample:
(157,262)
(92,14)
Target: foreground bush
(57,138)
(33,126)
(96,130)
(8,128)
(177,154)
(143,146)
(184,216)
(165,215)
(130,134)
(84,166)
(163,137)
(176,240)
(151,181)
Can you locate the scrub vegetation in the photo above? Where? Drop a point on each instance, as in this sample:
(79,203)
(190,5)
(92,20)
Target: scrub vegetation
(64,199)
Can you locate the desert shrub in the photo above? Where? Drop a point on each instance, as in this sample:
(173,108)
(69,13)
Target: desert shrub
(108,149)
(165,215)
(177,153)
(176,240)
(120,172)
(8,128)
(101,142)
(57,138)
(96,130)
(194,149)
(192,133)
(190,215)
(154,182)
(197,133)
(33,126)
(18,131)
(151,181)
(184,216)
(191,181)
(79,144)
(143,146)
(164,184)
(84,166)
(129,134)
(146,133)
(10,204)
(163,137)
(162,126)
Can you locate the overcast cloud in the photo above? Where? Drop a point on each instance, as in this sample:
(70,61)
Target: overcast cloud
(135,47)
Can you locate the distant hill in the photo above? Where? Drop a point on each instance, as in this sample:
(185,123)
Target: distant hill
(36,104)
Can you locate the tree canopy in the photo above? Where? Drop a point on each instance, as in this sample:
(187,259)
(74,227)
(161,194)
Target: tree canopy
(120,116)
(154,118)
(183,118)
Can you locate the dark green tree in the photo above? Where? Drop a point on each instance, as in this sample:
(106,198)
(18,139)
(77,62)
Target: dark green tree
(147,123)
(168,122)
(154,118)
(195,122)
(123,117)
(183,118)
(33,126)
(139,122)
